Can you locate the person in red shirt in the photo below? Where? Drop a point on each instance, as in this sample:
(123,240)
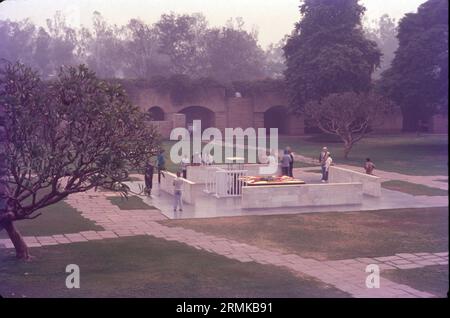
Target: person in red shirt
(369,166)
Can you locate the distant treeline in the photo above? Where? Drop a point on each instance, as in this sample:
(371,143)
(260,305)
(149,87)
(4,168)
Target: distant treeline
(176,44)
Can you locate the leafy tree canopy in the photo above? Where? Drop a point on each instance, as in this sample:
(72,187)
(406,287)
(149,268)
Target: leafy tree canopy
(69,135)
(328,53)
(418,77)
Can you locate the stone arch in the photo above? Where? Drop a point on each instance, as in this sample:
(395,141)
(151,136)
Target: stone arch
(204,114)
(156,113)
(277,117)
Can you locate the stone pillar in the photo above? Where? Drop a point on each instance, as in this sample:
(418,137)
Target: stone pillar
(178,120)
(258,120)
(221,121)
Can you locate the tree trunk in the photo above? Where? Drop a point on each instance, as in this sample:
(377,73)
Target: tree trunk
(347,149)
(17,240)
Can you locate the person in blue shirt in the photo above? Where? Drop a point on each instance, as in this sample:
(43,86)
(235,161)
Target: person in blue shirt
(161,165)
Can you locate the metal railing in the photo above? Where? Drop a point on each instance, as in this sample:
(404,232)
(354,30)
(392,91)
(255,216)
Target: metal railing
(228,183)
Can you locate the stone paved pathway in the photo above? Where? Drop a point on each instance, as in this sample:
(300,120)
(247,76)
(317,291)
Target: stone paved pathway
(346,275)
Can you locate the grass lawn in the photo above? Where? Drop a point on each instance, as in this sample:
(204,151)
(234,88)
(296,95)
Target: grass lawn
(143,266)
(58,218)
(405,153)
(413,188)
(130,203)
(338,235)
(432,279)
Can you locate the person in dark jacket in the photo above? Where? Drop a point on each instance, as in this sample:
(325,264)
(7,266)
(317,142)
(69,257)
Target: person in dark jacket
(291,162)
(285,162)
(149,170)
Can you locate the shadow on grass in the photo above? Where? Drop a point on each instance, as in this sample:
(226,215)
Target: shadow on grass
(130,203)
(58,218)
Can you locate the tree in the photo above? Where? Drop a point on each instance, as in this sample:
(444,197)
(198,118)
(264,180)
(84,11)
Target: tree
(63,41)
(328,53)
(182,39)
(16,40)
(275,63)
(385,35)
(142,56)
(66,136)
(418,77)
(349,115)
(103,48)
(233,53)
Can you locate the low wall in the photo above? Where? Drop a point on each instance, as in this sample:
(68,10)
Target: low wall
(301,195)
(198,174)
(371,185)
(190,189)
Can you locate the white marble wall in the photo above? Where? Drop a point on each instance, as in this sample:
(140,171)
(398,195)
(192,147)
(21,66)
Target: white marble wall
(190,189)
(301,195)
(371,184)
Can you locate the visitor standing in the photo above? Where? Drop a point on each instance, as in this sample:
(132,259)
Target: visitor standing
(177,193)
(322,159)
(161,165)
(272,161)
(328,163)
(369,166)
(285,162)
(184,165)
(149,170)
(291,163)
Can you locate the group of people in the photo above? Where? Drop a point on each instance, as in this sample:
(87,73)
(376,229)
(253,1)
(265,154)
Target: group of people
(177,182)
(326,161)
(286,163)
(150,170)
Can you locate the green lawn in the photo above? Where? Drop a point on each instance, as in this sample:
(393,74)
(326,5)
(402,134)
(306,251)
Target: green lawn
(413,188)
(337,235)
(431,279)
(130,203)
(58,218)
(405,153)
(143,266)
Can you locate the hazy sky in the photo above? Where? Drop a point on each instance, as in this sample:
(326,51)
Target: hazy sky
(272,18)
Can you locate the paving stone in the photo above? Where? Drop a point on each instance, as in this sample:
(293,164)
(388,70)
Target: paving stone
(441,254)
(424,262)
(401,262)
(406,255)
(366,260)
(408,266)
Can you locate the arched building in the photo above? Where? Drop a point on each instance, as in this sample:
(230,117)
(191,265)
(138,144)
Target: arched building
(215,108)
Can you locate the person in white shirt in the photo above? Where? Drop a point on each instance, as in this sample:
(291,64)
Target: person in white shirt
(328,163)
(177,193)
